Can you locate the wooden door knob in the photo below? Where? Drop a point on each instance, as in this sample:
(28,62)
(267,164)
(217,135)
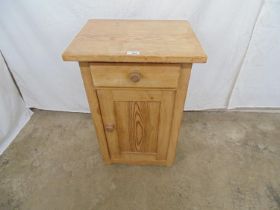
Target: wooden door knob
(135,76)
(109,127)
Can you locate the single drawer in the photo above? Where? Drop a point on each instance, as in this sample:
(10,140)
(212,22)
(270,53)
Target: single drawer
(135,75)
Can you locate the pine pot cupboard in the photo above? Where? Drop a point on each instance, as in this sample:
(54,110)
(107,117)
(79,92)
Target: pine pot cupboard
(136,75)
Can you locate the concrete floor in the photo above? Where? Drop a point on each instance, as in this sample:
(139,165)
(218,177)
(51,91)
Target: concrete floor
(225,160)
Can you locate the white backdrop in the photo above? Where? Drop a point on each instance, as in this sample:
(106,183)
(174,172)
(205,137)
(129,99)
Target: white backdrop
(241,70)
(13,113)
(258,83)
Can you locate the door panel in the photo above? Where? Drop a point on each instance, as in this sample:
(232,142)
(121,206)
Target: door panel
(137,125)
(141,121)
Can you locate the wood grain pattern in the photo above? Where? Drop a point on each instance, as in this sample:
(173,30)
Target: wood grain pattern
(137,132)
(157,41)
(137,125)
(143,125)
(117,75)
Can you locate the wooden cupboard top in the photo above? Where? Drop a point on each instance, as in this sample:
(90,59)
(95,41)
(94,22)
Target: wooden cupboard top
(156,41)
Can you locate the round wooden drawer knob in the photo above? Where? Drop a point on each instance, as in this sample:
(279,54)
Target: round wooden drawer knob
(109,127)
(135,77)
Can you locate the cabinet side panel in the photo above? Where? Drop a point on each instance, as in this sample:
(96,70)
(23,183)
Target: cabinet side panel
(95,110)
(178,111)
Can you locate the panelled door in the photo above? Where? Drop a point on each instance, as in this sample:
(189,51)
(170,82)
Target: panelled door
(137,122)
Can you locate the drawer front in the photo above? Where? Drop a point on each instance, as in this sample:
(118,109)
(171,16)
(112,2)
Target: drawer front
(135,75)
